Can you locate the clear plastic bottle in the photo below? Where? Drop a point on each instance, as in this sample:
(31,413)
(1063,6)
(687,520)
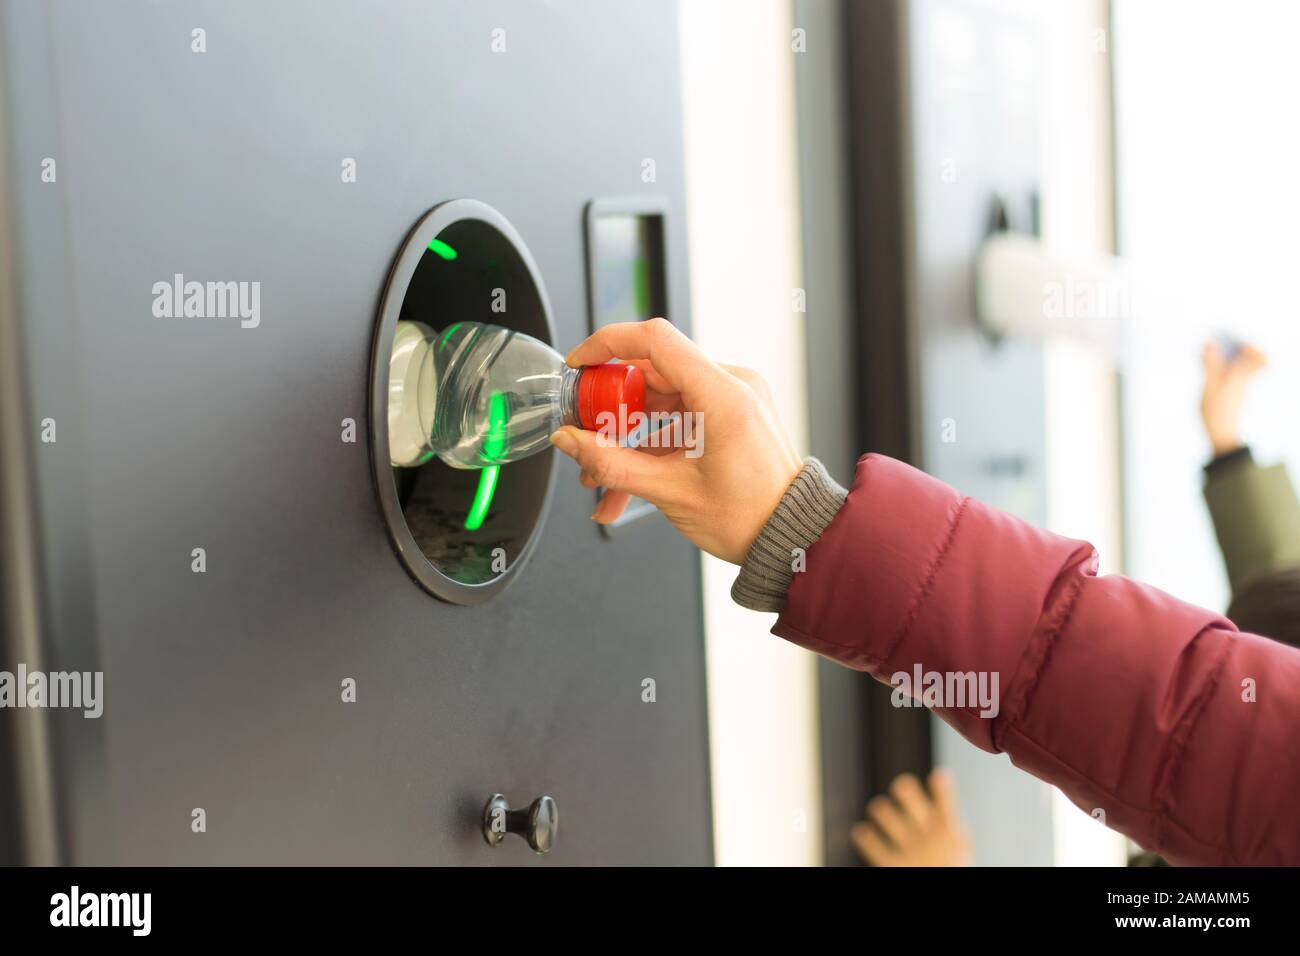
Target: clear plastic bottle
(478,395)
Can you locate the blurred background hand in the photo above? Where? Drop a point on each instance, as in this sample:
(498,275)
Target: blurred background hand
(908,827)
(1227,373)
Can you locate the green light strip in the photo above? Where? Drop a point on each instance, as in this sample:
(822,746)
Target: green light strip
(442,249)
(446,336)
(487,486)
(497,441)
(495,446)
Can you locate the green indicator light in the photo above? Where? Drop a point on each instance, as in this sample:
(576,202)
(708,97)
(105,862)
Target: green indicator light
(442,249)
(641,286)
(495,444)
(447,334)
(487,486)
(497,441)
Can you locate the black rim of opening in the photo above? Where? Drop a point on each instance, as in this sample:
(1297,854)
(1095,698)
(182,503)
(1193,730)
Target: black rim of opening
(413,558)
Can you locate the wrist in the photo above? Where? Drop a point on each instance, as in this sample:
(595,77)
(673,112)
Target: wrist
(776,485)
(1225,442)
(804,511)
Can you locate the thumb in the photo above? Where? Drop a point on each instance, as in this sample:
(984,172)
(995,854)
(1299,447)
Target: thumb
(613,467)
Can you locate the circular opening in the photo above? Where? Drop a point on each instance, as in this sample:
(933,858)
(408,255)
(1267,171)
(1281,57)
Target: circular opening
(462,263)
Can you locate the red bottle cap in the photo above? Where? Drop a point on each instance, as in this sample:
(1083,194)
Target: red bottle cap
(615,388)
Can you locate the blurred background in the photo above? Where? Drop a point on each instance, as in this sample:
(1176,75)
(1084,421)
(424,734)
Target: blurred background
(883,135)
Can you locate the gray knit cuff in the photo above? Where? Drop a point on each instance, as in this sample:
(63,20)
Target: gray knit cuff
(807,507)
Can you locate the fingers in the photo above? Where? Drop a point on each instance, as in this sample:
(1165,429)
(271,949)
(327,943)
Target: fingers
(944,790)
(912,800)
(872,846)
(611,507)
(1251,358)
(883,813)
(676,361)
(913,827)
(1247,359)
(662,403)
(613,467)
(654,381)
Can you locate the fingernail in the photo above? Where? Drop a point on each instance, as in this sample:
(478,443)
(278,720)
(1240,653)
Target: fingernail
(562,440)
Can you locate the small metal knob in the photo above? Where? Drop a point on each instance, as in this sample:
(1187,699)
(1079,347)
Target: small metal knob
(537,824)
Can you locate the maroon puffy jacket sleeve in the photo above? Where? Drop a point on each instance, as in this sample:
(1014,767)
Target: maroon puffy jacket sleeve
(1159,713)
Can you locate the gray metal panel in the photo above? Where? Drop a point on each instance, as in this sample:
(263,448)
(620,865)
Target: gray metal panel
(50,349)
(831,341)
(223,688)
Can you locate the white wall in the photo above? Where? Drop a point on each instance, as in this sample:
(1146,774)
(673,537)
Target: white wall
(742,197)
(1082,408)
(1209,200)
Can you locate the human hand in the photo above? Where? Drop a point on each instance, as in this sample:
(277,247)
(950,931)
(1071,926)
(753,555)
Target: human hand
(912,829)
(1225,391)
(721,492)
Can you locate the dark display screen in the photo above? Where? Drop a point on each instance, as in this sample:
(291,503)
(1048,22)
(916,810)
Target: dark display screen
(627,264)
